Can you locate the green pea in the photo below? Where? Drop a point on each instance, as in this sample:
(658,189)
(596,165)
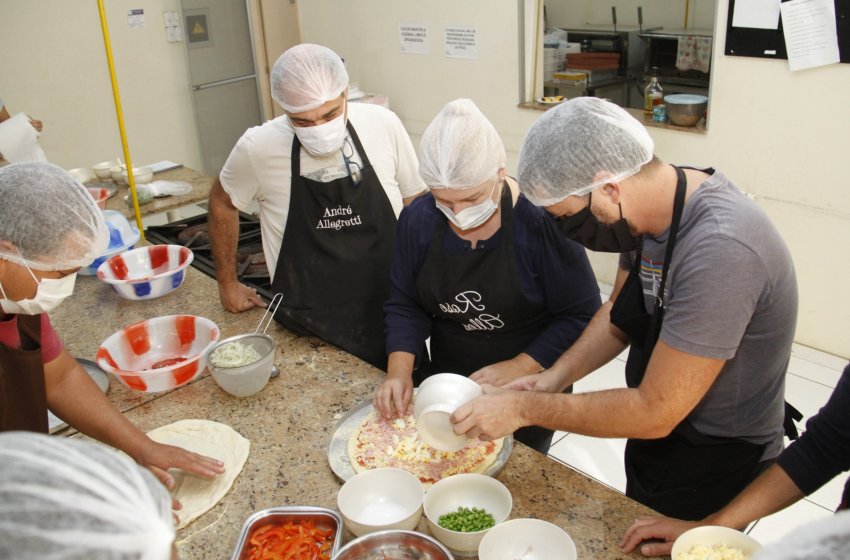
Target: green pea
(467,520)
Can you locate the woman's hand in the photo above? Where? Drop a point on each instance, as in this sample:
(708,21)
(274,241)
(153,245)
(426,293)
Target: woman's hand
(502,373)
(393,396)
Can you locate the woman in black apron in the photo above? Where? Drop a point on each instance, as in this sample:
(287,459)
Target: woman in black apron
(492,275)
(334,261)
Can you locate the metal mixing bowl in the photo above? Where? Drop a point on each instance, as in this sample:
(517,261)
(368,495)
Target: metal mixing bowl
(685,109)
(394,545)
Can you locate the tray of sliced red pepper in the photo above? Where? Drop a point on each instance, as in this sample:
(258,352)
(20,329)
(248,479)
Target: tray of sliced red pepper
(290,532)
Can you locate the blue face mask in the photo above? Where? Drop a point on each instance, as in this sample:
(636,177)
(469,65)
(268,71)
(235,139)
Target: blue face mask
(472,216)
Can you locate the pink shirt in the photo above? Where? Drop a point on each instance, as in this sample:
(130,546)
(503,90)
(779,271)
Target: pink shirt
(51,345)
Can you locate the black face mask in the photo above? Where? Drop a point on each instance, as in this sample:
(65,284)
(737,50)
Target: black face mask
(585,228)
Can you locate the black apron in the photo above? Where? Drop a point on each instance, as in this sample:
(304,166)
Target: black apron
(686,475)
(23,398)
(479,313)
(334,261)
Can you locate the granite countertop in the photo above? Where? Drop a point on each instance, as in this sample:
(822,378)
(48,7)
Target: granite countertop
(290,421)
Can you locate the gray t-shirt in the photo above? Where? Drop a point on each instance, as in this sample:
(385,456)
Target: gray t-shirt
(732,295)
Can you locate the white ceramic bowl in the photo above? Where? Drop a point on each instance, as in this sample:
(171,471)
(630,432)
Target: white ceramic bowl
(394,545)
(246,380)
(712,536)
(140,174)
(465,490)
(103,170)
(82,174)
(436,399)
(122,237)
(116,171)
(527,538)
(159,354)
(381,499)
(147,272)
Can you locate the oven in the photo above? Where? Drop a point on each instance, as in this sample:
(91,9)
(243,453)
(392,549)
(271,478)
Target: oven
(193,233)
(661,51)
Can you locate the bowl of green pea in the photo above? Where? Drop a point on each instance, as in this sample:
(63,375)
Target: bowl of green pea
(460,509)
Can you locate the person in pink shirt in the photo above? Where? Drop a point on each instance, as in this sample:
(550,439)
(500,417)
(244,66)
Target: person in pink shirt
(42,245)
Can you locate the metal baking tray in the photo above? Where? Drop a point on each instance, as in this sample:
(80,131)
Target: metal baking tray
(324,518)
(345,428)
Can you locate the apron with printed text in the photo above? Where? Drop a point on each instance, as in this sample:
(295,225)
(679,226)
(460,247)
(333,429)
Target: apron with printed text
(23,399)
(686,475)
(334,261)
(479,313)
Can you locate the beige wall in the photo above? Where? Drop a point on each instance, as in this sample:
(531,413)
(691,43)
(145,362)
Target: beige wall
(777,134)
(54,67)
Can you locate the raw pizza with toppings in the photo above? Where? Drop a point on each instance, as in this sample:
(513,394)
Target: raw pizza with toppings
(395,443)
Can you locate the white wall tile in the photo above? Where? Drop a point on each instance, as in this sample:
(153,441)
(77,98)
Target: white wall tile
(598,458)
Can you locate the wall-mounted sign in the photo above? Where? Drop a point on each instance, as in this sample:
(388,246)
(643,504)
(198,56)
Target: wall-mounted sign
(197,29)
(461,42)
(413,38)
(136,18)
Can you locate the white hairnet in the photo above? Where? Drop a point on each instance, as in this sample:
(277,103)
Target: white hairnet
(307,76)
(824,539)
(64,498)
(49,218)
(460,148)
(579,145)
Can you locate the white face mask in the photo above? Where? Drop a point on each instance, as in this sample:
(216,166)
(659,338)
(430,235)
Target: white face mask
(325,138)
(50,293)
(472,216)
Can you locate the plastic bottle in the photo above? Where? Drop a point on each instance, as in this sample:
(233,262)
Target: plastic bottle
(653,94)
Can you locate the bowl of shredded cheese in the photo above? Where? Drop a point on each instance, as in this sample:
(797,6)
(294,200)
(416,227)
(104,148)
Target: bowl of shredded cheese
(242,365)
(714,543)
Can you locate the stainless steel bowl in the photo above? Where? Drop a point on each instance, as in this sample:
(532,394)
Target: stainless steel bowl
(323,518)
(394,545)
(685,109)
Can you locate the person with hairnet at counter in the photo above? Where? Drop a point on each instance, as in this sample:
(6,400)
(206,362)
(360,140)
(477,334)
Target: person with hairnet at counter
(42,245)
(330,177)
(65,498)
(705,297)
(480,270)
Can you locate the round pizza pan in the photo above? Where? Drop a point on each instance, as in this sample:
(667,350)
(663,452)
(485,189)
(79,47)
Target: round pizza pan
(350,422)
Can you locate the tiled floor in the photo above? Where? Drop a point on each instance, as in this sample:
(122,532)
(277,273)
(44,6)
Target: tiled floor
(812,375)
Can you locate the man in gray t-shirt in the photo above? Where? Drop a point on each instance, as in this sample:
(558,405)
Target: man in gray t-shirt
(708,314)
(731,295)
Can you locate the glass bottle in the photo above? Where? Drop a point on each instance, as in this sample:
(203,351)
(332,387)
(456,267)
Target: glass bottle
(653,94)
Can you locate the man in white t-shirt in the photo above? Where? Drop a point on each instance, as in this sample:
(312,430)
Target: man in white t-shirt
(330,178)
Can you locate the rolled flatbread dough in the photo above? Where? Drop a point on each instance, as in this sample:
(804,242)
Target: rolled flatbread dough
(212,439)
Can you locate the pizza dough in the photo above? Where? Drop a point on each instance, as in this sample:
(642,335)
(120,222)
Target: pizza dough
(379,442)
(212,439)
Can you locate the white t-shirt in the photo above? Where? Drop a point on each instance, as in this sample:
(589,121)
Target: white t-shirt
(259,167)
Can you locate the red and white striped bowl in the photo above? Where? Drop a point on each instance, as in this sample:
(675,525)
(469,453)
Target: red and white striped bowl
(147,272)
(159,354)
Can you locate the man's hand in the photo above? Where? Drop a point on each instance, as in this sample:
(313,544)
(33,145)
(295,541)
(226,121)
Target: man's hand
(238,297)
(158,458)
(393,396)
(496,413)
(663,528)
(544,382)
